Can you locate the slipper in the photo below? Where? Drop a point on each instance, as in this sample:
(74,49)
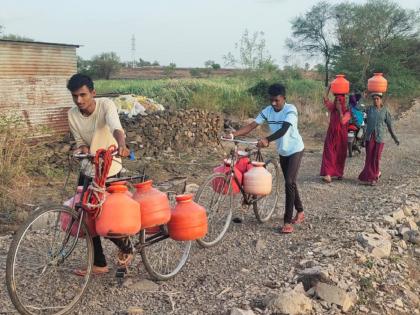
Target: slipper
(287,228)
(96,270)
(299,218)
(326,179)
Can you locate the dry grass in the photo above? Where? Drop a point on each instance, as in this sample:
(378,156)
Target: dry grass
(15,183)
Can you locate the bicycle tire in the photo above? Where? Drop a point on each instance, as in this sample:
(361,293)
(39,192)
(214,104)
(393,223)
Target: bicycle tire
(261,213)
(199,198)
(147,254)
(11,274)
(350,148)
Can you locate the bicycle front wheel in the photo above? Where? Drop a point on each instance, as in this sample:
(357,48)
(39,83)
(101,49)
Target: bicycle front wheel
(215,195)
(165,257)
(264,206)
(41,258)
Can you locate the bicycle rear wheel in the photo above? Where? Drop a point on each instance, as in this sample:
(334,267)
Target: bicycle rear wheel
(215,195)
(41,259)
(264,206)
(164,258)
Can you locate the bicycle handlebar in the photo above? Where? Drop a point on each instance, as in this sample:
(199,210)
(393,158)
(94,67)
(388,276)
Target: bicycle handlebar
(239,141)
(89,155)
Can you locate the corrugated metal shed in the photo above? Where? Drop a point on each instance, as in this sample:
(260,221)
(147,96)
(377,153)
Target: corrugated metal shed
(33,77)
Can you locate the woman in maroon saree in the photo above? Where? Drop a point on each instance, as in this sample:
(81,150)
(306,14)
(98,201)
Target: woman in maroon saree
(335,146)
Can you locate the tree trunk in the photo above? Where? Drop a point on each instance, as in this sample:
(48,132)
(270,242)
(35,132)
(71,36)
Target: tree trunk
(327,62)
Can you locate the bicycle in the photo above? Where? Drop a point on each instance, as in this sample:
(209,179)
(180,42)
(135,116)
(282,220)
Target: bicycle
(218,190)
(43,255)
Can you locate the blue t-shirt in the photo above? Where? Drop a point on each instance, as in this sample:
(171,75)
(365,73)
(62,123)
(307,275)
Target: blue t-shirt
(291,142)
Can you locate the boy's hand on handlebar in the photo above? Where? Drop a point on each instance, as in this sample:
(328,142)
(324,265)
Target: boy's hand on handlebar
(262,143)
(123,151)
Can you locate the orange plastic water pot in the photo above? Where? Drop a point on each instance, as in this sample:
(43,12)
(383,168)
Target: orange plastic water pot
(340,85)
(377,83)
(120,215)
(258,181)
(154,205)
(122,182)
(188,221)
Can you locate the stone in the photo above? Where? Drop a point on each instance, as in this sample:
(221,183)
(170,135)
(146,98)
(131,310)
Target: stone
(238,311)
(414,298)
(307,263)
(260,244)
(389,221)
(399,303)
(417,252)
(191,188)
(398,215)
(132,310)
(408,211)
(381,231)
(309,277)
(414,237)
(290,302)
(335,295)
(376,245)
(412,225)
(141,285)
(403,229)
(402,244)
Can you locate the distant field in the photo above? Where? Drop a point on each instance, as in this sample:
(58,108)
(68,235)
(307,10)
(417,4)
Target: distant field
(229,95)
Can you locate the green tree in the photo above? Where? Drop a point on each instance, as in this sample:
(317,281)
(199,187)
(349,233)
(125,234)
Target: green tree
(314,34)
(84,66)
(377,35)
(253,54)
(104,65)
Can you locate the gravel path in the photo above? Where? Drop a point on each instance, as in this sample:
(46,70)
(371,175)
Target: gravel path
(254,261)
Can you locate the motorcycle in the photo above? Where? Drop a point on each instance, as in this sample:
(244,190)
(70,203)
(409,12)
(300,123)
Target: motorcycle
(355,136)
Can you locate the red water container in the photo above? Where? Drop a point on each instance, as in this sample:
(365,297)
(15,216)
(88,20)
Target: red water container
(377,83)
(65,218)
(122,182)
(340,85)
(243,164)
(188,220)
(120,215)
(219,184)
(154,205)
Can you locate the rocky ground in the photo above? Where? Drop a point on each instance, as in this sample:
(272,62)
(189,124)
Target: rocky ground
(358,251)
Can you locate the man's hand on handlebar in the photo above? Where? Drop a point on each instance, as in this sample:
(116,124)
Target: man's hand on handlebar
(262,143)
(228,136)
(83,149)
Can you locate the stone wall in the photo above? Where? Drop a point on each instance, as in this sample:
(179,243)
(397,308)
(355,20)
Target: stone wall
(179,131)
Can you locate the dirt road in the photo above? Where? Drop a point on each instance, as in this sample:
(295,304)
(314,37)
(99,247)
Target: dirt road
(254,261)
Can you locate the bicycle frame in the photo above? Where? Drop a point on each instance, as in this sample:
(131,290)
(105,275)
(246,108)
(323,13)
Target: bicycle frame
(248,198)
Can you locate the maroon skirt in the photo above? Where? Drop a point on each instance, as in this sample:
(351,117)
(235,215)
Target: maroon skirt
(370,172)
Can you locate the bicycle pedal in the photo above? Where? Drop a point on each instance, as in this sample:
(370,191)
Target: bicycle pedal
(121,272)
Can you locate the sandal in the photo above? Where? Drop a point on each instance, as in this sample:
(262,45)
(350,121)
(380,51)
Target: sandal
(299,218)
(96,270)
(287,229)
(124,259)
(326,179)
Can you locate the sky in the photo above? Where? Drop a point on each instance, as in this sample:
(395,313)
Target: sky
(185,32)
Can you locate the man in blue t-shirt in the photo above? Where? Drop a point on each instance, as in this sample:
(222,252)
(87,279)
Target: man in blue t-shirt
(282,118)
